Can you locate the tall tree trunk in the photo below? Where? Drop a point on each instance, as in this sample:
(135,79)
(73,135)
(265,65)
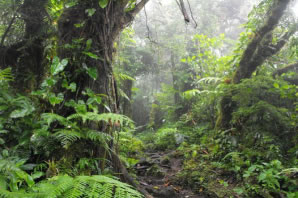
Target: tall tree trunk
(175,79)
(76,29)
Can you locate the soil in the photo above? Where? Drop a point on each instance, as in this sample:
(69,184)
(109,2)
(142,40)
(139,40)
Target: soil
(157,175)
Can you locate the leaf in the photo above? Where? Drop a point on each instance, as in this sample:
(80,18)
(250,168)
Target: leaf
(91,55)
(53,99)
(73,87)
(28,166)
(2,141)
(3,182)
(18,113)
(88,44)
(71,4)
(26,110)
(276,85)
(92,72)
(103,3)
(238,191)
(183,60)
(37,175)
(90,11)
(58,66)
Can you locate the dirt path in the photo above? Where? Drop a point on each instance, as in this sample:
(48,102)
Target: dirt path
(157,172)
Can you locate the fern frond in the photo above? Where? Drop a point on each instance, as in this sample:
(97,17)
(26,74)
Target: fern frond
(123,94)
(6,74)
(82,186)
(104,117)
(209,80)
(52,117)
(112,117)
(191,93)
(98,136)
(123,76)
(67,136)
(92,186)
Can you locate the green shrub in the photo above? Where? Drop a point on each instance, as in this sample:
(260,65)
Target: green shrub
(166,138)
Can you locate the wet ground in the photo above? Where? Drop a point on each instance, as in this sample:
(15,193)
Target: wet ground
(157,173)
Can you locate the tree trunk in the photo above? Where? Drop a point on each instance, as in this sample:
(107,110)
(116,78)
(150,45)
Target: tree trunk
(26,57)
(76,29)
(127,108)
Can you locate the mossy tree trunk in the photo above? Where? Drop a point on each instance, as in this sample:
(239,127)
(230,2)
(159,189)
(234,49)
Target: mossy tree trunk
(258,50)
(87,40)
(102,28)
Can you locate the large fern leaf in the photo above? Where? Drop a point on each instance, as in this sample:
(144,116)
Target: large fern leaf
(82,186)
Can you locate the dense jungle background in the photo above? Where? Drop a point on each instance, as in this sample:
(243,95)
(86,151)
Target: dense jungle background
(148,98)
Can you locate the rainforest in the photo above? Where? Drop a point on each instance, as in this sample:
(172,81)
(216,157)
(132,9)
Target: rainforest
(148,99)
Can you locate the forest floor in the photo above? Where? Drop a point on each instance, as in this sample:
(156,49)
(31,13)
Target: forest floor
(157,174)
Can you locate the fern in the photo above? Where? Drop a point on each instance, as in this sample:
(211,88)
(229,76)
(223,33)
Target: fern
(69,136)
(81,186)
(52,117)
(105,117)
(6,75)
(123,94)
(122,76)
(209,80)
(191,93)
(101,138)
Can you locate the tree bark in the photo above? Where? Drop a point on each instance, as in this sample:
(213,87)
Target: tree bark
(291,67)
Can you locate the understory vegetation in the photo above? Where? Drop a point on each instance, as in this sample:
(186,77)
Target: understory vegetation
(87,95)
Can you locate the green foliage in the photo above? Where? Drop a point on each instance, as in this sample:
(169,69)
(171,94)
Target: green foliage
(131,148)
(206,62)
(13,177)
(269,177)
(6,75)
(166,138)
(80,186)
(16,117)
(103,3)
(33,133)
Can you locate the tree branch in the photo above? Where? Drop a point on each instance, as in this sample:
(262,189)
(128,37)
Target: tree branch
(251,57)
(285,69)
(138,8)
(183,10)
(7,29)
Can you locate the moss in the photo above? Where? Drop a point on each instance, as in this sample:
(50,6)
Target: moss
(227,107)
(155,171)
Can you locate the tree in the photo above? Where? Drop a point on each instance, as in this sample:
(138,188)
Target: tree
(28,23)
(260,48)
(86,34)
(101,24)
